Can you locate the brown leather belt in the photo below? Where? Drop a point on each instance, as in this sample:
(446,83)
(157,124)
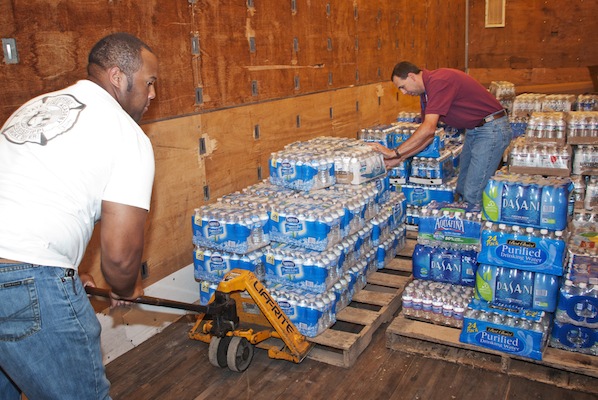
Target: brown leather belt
(492,117)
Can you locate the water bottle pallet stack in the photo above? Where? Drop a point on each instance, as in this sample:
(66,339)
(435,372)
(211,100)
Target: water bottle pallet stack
(576,318)
(521,261)
(313,248)
(431,174)
(444,263)
(527,104)
(500,334)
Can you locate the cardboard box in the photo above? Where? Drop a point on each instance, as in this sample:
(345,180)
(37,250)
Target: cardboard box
(480,329)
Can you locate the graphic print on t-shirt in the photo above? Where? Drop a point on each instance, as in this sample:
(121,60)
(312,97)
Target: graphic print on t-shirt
(43,120)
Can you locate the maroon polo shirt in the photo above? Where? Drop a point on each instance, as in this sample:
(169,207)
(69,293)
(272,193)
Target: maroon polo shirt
(460,100)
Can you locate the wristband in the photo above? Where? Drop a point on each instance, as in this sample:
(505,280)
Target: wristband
(397,153)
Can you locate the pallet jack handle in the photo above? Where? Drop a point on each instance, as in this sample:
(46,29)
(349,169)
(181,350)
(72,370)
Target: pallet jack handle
(152,301)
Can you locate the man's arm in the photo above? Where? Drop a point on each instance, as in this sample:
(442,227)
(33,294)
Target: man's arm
(122,239)
(422,137)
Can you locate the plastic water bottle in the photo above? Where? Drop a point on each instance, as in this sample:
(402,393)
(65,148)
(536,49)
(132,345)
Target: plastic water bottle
(407,299)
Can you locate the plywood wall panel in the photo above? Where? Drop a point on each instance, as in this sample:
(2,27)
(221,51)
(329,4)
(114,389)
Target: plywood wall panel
(523,76)
(54,39)
(342,29)
(538,34)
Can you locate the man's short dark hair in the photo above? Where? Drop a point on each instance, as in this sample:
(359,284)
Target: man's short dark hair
(122,50)
(403,69)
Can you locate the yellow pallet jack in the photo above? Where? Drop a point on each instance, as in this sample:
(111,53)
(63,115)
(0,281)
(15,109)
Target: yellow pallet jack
(239,298)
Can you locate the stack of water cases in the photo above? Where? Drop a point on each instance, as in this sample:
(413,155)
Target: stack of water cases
(318,241)
(576,318)
(543,149)
(582,135)
(521,261)
(444,263)
(429,175)
(527,104)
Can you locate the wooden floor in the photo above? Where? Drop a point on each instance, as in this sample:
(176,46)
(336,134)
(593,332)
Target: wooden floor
(172,366)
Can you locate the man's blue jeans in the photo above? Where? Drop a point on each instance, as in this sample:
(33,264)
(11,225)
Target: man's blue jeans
(49,336)
(482,152)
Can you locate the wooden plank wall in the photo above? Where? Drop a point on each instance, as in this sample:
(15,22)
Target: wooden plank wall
(544,43)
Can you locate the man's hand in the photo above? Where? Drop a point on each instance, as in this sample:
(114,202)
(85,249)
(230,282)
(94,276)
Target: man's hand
(392,163)
(87,280)
(116,300)
(385,151)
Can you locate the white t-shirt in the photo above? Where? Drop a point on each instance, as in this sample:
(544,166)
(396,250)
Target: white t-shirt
(61,154)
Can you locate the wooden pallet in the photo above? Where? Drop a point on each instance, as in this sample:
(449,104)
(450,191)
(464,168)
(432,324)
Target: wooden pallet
(558,367)
(374,305)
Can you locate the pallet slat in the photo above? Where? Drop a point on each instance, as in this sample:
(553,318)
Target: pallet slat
(395,281)
(357,316)
(400,264)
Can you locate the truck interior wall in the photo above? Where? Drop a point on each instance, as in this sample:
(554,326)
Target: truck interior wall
(546,46)
(286,70)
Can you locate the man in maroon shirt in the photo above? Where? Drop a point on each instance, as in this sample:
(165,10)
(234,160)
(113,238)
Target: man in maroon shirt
(455,98)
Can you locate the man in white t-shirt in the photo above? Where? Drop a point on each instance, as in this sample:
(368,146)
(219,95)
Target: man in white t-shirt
(68,159)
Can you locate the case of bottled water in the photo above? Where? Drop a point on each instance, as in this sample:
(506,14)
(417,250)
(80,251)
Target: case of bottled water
(527,103)
(576,338)
(230,227)
(528,157)
(527,200)
(302,170)
(406,116)
(581,266)
(547,126)
(432,171)
(382,134)
(310,224)
(585,160)
(354,168)
(558,102)
(450,224)
(308,269)
(445,265)
(578,304)
(393,135)
(532,290)
(498,328)
(421,195)
(586,102)
(526,248)
(436,302)
(310,313)
(582,127)
(212,264)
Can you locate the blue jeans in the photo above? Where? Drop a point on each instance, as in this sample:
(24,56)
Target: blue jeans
(49,336)
(482,153)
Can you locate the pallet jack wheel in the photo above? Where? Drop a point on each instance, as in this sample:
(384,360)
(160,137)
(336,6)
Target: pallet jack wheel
(218,350)
(239,354)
